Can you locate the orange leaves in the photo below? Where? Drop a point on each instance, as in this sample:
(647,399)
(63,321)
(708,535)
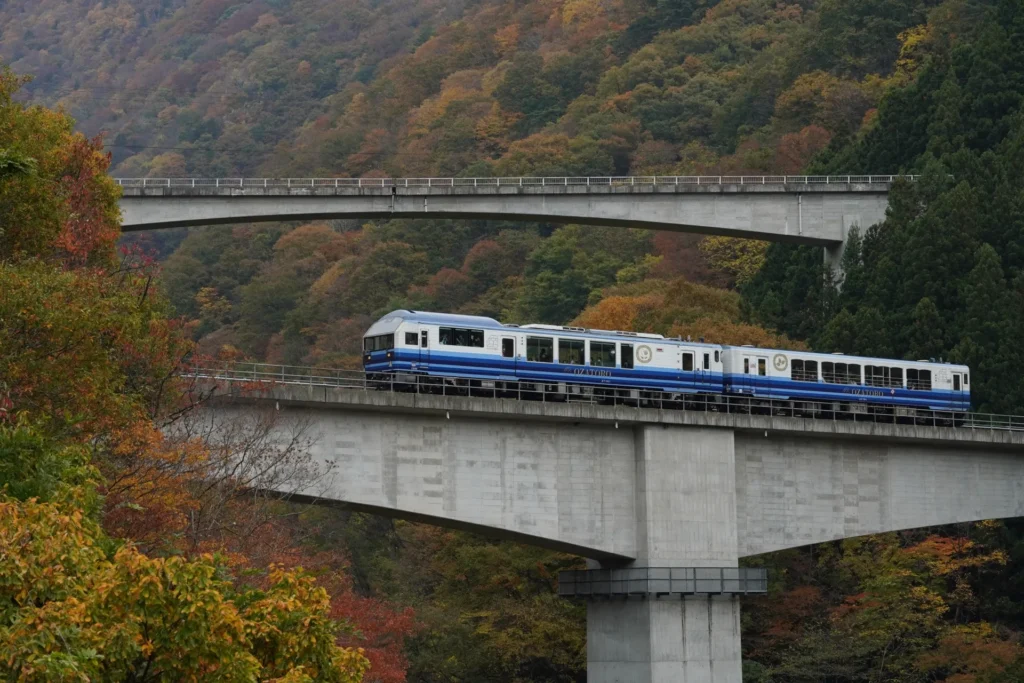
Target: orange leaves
(63,206)
(970,653)
(507,39)
(89,350)
(795,150)
(617,312)
(946,556)
(678,308)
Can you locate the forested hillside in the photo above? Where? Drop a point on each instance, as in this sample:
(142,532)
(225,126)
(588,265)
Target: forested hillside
(537,87)
(509,87)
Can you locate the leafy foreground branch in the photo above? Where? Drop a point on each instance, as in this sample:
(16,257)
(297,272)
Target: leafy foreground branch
(77,606)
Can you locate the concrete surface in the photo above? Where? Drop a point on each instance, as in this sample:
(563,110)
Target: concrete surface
(816,214)
(640,487)
(686,517)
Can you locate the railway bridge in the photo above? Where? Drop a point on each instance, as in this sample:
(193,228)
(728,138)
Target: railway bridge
(663,503)
(816,210)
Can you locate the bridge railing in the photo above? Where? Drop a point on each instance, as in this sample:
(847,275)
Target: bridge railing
(269,374)
(546,181)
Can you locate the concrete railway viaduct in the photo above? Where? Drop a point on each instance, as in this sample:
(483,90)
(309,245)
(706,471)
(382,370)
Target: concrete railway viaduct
(664,503)
(815,210)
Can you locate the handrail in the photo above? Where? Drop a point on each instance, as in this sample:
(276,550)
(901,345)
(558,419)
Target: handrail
(357,379)
(545,181)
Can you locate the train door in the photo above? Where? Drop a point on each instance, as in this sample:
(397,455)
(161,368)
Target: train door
(424,349)
(704,368)
(689,367)
(754,368)
(959,389)
(509,357)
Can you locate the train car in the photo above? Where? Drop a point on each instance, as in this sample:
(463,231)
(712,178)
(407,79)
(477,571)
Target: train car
(414,346)
(859,384)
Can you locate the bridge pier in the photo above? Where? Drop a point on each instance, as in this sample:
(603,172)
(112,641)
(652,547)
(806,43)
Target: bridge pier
(685,504)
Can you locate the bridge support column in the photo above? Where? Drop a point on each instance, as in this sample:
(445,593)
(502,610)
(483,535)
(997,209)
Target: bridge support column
(673,615)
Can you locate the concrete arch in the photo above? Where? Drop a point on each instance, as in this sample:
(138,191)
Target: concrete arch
(807,214)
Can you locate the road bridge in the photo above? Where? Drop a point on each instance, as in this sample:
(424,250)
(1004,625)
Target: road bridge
(664,502)
(816,210)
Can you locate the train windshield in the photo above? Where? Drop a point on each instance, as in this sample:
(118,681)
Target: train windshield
(382,342)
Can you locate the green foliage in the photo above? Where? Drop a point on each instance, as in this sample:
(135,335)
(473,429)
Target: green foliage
(32,468)
(573,262)
(940,278)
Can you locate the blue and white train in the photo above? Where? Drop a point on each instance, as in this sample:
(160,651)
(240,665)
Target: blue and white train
(473,352)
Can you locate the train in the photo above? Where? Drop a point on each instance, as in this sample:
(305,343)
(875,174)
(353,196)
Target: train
(444,351)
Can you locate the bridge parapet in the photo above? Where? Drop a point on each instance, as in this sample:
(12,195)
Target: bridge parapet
(508,185)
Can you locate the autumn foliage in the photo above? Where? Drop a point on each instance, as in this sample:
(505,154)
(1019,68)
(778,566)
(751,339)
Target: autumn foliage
(131,544)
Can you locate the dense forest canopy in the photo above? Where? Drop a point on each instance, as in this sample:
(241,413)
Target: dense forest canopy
(550,87)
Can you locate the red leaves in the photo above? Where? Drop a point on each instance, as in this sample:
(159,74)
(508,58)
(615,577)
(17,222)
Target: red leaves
(91,225)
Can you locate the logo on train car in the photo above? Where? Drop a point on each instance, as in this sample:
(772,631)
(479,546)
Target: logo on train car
(589,371)
(780,362)
(643,354)
(867,392)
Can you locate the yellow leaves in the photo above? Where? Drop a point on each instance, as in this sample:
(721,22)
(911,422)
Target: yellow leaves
(740,258)
(914,43)
(507,39)
(581,11)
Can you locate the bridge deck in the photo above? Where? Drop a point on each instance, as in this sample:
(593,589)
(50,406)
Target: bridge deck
(976,429)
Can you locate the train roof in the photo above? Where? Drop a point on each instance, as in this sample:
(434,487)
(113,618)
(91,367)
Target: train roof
(483,322)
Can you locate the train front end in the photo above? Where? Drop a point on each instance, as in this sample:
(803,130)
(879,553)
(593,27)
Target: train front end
(379,345)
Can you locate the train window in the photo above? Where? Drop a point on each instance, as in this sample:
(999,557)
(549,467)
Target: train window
(717,357)
(381,342)
(762,367)
(840,373)
(881,376)
(804,370)
(570,351)
(688,362)
(746,366)
(853,374)
(627,355)
(602,354)
(457,336)
(410,339)
(707,361)
(540,349)
(966,380)
(508,348)
(919,380)
(423,339)
(956,382)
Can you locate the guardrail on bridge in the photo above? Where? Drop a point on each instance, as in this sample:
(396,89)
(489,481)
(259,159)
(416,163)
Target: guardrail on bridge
(554,181)
(456,386)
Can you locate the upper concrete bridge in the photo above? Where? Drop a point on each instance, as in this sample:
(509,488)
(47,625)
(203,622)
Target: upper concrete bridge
(817,210)
(685,492)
